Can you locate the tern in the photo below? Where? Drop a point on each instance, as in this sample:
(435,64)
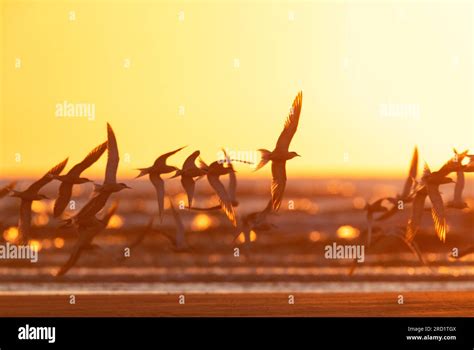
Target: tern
(280,153)
(32,194)
(398,233)
(104,191)
(86,234)
(376,207)
(407,194)
(213,172)
(430,183)
(7,189)
(457,201)
(73,177)
(256,221)
(188,173)
(154,172)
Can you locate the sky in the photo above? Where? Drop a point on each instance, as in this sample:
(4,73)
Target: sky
(377,78)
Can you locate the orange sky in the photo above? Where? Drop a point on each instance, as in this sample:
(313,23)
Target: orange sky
(377,78)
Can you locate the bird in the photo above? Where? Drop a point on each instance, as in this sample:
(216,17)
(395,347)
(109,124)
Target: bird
(256,221)
(397,232)
(469,167)
(281,154)
(457,202)
(7,189)
(188,172)
(154,172)
(101,192)
(86,234)
(213,173)
(178,240)
(376,207)
(32,194)
(407,194)
(430,183)
(73,177)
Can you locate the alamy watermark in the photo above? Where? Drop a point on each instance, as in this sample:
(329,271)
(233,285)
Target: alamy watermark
(21,252)
(67,109)
(345,251)
(400,111)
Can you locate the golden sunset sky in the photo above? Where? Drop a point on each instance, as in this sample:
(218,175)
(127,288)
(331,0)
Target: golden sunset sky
(377,78)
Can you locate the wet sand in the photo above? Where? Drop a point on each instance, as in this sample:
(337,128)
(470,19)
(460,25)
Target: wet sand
(416,304)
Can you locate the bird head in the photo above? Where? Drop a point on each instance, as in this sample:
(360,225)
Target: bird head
(123,186)
(293,155)
(84,180)
(447,180)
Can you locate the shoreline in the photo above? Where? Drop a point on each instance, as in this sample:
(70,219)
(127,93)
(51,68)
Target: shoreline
(383,304)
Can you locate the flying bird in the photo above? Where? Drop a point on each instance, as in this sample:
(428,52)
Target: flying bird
(214,171)
(73,177)
(154,172)
(281,154)
(86,234)
(407,194)
(430,183)
(376,207)
(399,233)
(256,221)
(32,194)
(7,189)
(104,191)
(178,239)
(188,173)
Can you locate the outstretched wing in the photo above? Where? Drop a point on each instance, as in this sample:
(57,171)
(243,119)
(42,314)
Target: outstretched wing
(291,124)
(90,159)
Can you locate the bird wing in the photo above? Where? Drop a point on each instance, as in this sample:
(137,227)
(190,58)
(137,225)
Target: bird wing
(113,157)
(65,192)
(159,185)
(85,238)
(93,206)
(437,211)
(56,170)
(416,215)
(90,159)
(180,240)
(24,222)
(459,187)
(278,183)
(232,186)
(387,214)
(141,236)
(411,174)
(189,163)
(6,189)
(224,198)
(162,159)
(110,212)
(188,185)
(291,124)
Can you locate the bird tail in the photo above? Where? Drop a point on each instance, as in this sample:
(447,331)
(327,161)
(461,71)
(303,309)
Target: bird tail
(265,158)
(143,172)
(179,172)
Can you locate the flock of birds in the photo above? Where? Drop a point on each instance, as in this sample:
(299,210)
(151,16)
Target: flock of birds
(416,192)
(87,223)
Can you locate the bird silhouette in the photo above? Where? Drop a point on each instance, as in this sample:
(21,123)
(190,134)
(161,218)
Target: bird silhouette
(86,234)
(429,187)
(7,189)
(213,172)
(399,233)
(32,194)
(102,192)
(407,194)
(154,172)
(188,172)
(281,154)
(73,177)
